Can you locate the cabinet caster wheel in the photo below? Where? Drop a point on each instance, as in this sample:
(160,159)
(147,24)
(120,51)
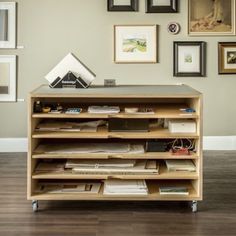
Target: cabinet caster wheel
(194,206)
(35,206)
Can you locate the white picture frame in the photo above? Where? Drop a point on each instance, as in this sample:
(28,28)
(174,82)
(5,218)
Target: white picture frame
(135,43)
(7,24)
(8,78)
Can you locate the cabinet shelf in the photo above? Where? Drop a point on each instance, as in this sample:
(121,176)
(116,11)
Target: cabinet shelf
(153,194)
(103,133)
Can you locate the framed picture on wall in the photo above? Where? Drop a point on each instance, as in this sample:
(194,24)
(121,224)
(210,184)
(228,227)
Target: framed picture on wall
(190,59)
(135,43)
(207,17)
(7,24)
(122,5)
(227,57)
(161,6)
(8,78)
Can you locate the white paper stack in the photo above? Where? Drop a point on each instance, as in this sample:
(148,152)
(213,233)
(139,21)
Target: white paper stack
(103,109)
(125,187)
(180,165)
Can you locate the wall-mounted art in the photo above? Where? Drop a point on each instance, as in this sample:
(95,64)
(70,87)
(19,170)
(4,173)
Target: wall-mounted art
(190,59)
(161,6)
(207,17)
(8,78)
(122,5)
(135,43)
(7,24)
(227,57)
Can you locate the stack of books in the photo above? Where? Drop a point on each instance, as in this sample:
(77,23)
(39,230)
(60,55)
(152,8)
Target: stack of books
(103,109)
(125,187)
(180,165)
(173,191)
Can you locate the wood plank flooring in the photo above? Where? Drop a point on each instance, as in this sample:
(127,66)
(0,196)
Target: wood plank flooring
(216,216)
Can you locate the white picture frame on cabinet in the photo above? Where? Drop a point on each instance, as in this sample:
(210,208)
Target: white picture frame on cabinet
(7,24)
(7,78)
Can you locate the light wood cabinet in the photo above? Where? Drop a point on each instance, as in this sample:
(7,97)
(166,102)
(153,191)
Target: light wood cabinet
(166,101)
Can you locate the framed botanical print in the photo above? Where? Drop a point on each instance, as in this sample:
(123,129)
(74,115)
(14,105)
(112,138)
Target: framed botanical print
(215,18)
(122,5)
(135,43)
(227,57)
(8,78)
(190,59)
(7,24)
(161,6)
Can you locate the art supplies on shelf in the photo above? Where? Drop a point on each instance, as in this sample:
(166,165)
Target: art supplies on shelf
(84,148)
(125,187)
(103,109)
(139,111)
(72,111)
(80,188)
(173,191)
(180,165)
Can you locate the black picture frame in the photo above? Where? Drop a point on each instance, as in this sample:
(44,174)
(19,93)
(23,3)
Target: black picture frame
(173,8)
(202,58)
(133,6)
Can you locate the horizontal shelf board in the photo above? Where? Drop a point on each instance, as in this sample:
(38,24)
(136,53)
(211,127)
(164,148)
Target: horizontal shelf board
(147,155)
(152,195)
(103,133)
(163,174)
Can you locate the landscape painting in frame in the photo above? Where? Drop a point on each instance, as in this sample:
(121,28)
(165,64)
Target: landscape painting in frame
(135,44)
(211,17)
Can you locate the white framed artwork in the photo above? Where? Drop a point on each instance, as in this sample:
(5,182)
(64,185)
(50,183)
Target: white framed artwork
(7,78)
(7,25)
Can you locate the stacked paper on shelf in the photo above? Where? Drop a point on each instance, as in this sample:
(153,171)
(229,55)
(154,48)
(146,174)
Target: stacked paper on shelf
(174,191)
(180,165)
(68,188)
(131,167)
(70,126)
(44,167)
(103,109)
(125,187)
(83,148)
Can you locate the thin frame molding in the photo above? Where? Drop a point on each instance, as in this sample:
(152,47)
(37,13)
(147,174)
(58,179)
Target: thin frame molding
(134,6)
(202,58)
(173,8)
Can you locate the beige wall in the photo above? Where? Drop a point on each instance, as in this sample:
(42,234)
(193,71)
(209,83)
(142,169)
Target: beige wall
(49,29)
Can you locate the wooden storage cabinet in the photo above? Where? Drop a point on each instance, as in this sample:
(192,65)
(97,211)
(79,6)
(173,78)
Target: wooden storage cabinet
(166,102)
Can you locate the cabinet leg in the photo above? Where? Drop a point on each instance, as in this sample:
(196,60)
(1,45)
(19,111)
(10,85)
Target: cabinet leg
(35,205)
(194,206)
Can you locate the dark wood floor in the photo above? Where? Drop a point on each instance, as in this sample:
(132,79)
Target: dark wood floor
(216,216)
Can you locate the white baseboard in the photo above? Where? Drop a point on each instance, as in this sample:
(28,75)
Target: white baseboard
(224,143)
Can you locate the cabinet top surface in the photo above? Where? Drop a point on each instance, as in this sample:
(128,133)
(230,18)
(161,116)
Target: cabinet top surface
(126,91)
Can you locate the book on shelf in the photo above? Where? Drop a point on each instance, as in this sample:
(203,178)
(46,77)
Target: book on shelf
(82,188)
(85,148)
(125,187)
(139,167)
(103,109)
(173,191)
(180,165)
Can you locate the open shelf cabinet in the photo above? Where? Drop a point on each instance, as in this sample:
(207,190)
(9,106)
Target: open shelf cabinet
(166,101)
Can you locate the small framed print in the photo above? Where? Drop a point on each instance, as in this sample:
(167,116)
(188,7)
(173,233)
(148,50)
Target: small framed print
(135,43)
(122,5)
(8,78)
(190,59)
(227,57)
(161,6)
(213,18)
(7,24)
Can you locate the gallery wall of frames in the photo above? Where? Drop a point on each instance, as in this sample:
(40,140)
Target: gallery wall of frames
(138,43)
